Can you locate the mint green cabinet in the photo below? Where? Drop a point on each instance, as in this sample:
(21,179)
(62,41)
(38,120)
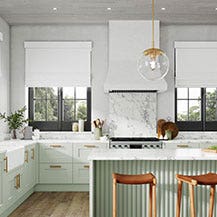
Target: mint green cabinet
(55,173)
(14,186)
(82,150)
(80,173)
(80,161)
(55,163)
(59,152)
(30,167)
(1,185)
(15,183)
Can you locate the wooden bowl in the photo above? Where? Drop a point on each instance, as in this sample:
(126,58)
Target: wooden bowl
(160,124)
(172,127)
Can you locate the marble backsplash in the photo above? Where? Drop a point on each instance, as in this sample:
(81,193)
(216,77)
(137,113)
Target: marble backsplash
(132,114)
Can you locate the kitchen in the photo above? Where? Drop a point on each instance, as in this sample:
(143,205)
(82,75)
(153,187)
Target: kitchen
(109,37)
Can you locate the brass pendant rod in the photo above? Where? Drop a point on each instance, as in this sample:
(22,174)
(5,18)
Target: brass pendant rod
(152,23)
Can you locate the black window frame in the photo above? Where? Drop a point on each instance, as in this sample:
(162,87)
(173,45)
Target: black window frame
(60,124)
(201,125)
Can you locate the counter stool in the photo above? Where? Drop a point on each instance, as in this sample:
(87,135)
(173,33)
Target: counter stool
(136,180)
(206,179)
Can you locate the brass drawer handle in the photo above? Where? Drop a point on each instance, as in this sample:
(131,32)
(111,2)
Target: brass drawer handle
(55,166)
(86,166)
(17,178)
(6,164)
(33,154)
(27,156)
(56,146)
(90,146)
(182,146)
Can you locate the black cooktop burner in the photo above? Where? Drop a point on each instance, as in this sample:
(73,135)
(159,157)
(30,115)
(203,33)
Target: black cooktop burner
(126,139)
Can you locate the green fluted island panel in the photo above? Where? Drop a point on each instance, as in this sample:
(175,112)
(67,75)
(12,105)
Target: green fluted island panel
(133,200)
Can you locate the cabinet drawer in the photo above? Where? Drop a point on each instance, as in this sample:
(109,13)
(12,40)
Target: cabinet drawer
(80,173)
(55,173)
(55,153)
(81,151)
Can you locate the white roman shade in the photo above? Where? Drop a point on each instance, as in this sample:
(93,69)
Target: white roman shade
(196,64)
(57,64)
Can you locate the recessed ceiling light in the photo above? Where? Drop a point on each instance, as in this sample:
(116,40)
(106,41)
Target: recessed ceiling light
(163,9)
(54,9)
(216,9)
(109,9)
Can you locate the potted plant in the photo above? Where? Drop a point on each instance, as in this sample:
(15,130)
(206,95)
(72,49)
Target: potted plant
(15,120)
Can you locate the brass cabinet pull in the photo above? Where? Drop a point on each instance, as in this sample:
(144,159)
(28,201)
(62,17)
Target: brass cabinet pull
(56,146)
(26,156)
(33,154)
(6,164)
(182,146)
(86,166)
(17,178)
(55,166)
(90,146)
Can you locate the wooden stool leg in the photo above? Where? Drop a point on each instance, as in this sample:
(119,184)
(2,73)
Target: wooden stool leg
(114,195)
(191,189)
(154,201)
(179,199)
(150,200)
(212,198)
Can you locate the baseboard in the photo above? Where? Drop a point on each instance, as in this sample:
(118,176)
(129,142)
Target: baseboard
(14,206)
(61,188)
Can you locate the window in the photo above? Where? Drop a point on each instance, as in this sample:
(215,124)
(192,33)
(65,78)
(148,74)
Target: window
(54,109)
(196,109)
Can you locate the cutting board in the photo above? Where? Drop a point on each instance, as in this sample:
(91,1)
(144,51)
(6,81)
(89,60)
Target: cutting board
(209,150)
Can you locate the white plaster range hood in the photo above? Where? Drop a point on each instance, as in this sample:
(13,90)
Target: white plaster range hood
(127,40)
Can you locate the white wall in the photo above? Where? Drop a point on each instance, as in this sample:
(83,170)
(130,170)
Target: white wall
(99,35)
(4,79)
(95,33)
(169,34)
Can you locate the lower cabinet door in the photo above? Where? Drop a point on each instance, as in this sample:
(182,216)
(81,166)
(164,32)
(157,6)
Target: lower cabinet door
(55,173)
(13,185)
(80,173)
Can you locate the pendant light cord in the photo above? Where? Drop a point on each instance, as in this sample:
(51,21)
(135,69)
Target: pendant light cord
(152,23)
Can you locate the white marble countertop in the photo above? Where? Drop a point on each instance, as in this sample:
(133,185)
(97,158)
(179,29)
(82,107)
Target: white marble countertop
(188,141)
(154,154)
(5,145)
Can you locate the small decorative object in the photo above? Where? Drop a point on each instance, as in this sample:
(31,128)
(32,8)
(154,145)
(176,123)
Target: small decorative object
(165,137)
(36,134)
(153,63)
(81,125)
(75,127)
(98,124)
(15,120)
(168,134)
(27,133)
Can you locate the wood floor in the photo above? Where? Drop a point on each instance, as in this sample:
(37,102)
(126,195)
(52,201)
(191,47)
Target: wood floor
(54,204)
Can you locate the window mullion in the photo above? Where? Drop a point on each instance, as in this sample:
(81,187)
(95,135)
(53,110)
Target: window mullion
(203,108)
(75,100)
(60,106)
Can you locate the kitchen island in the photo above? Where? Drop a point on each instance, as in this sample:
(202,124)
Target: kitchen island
(164,164)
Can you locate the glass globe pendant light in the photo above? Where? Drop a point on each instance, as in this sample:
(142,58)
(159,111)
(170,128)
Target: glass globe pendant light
(153,63)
